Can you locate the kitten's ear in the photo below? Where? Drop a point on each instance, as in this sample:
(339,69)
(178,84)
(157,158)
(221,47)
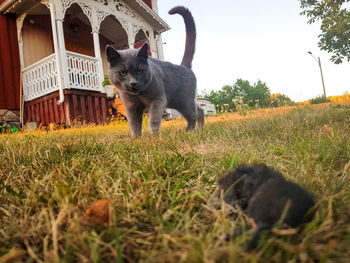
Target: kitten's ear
(245,169)
(143,52)
(111,53)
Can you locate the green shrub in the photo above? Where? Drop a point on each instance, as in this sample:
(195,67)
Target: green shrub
(106,81)
(319,100)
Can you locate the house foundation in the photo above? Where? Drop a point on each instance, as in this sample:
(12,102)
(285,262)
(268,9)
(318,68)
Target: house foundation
(10,117)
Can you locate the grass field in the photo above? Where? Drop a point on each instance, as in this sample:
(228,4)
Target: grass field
(159,186)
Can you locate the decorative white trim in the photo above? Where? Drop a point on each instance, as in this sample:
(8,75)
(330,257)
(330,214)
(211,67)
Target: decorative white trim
(100,16)
(83,72)
(46,2)
(98,10)
(19,22)
(40,78)
(151,12)
(127,7)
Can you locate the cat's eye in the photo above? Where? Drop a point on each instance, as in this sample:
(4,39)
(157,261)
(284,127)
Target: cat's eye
(139,71)
(123,73)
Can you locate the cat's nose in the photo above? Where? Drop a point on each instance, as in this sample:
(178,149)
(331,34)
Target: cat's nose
(133,84)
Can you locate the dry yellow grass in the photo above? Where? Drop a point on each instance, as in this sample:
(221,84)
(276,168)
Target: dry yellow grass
(342,99)
(159,186)
(345,98)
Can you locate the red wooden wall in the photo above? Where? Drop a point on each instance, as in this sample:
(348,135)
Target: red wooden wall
(9,63)
(78,105)
(148,2)
(140,44)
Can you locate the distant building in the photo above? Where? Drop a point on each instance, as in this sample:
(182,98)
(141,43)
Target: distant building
(52,59)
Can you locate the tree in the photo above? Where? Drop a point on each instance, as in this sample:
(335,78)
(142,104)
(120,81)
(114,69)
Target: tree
(335,26)
(242,92)
(258,94)
(225,96)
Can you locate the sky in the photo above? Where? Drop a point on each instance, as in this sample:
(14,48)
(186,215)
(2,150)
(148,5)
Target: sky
(254,40)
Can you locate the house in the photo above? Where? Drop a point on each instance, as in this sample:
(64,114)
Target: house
(52,59)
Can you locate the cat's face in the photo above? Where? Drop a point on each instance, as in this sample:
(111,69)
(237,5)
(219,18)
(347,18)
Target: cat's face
(232,184)
(128,69)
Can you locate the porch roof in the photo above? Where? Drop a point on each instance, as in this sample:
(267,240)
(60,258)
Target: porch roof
(152,17)
(20,6)
(16,6)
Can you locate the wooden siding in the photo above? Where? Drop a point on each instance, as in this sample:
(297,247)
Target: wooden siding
(9,64)
(84,106)
(78,37)
(37,38)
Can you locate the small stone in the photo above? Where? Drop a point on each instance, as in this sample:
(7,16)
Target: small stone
(3,111)
(11,116)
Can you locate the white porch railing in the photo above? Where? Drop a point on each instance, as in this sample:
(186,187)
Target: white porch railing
(83,72)
(40,78)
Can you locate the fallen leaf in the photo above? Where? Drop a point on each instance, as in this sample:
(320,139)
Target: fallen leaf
(99,211)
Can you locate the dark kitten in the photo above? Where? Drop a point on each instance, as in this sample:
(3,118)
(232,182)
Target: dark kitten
(239,187)
(148,84)
(264,194)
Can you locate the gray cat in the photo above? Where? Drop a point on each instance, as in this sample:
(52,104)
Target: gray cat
(148,84)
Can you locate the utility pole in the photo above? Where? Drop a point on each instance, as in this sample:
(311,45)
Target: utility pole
(319,64)
(324,89)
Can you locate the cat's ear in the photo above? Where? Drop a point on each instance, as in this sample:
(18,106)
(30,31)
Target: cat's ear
(143,51)
(111,53)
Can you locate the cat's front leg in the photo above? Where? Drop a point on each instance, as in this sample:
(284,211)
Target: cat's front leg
(134,113)
(155,115)
(134,116)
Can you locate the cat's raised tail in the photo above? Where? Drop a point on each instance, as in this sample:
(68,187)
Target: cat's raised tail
(190,34)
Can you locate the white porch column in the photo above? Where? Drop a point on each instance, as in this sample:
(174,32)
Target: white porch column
(63,52)
(153,44)
(97,49)
(159,44)
(131,36)
(60,78)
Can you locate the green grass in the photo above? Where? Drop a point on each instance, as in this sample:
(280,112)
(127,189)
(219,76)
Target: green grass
(160,185)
